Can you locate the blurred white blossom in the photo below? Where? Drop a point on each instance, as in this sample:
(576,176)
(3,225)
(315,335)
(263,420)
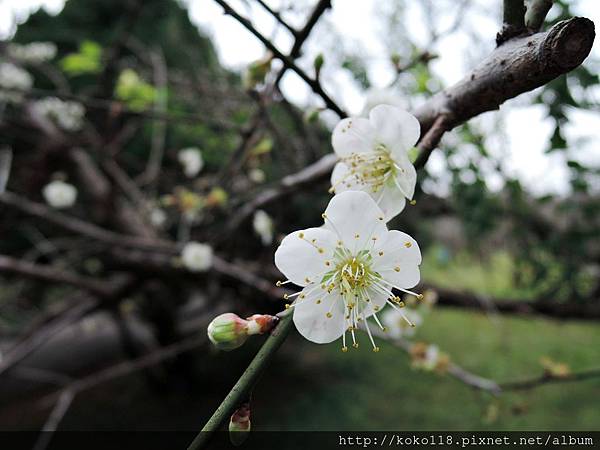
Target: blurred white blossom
(13,77)
(158,217)
(59,194)
(257,176)
(34,52)
(263,226)
(67,115)
(197,257)
(401,324)
(191,160)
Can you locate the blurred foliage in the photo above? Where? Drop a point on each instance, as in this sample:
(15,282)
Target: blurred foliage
(86,60)
(134,91)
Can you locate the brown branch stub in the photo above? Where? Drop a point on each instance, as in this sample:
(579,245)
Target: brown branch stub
(518,66)
(513,20)
(536,14)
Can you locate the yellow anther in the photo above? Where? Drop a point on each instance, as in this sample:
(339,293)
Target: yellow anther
(355,345)
(321,250)
(380,253)
(344,349)
(286,296)
(329,315)
(327,263)
(287,306)
(319,302)
(307,280)
(324,216)
(401,304)
(375,349)
(302,296)
(384,329)
(278,284)
(301,235)
(356,236)
(420,296)
(413,202)
(380,217)
(407,244)
(375,308)
(397,269)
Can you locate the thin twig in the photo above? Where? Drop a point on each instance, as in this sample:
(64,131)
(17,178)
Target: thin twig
(5,166)
(277,17)
(430,141)
(56,416)
(245,383)
(54,275)
(159,126)
(287,61)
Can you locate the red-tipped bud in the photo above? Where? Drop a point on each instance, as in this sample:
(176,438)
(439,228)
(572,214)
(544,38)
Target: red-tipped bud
(239,425)
(229,331)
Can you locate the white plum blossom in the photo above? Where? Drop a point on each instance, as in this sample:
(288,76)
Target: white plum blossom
(13,78)
(59,194)
(401,324)
(347,268)
(67,115)
(263,226)
(34,52)
(191,160)
(197,257)
(374,157)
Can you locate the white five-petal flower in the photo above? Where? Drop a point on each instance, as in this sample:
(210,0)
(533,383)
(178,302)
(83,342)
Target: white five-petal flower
(197,257)
(59,194)
(374,157)
(348,269)
(191,160)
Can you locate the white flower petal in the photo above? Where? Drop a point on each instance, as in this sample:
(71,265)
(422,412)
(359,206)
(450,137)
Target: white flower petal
(353,135)
(355,218)
(406,175)
(377,298)
(312,321)
(391,201)
(299,258)
(400,251)
(395,128)
(342,180)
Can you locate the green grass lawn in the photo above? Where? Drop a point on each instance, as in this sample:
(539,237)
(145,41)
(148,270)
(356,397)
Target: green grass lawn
(321,388)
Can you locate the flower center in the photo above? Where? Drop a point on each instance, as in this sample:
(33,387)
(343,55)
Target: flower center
(372,168)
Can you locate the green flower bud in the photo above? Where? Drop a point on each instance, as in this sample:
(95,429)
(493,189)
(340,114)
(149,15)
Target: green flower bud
(318,62)
(229,331)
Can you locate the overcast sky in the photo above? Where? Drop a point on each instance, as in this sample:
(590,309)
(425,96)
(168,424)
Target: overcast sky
(355,23)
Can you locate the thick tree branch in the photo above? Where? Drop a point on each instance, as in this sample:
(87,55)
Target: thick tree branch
(518,66)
